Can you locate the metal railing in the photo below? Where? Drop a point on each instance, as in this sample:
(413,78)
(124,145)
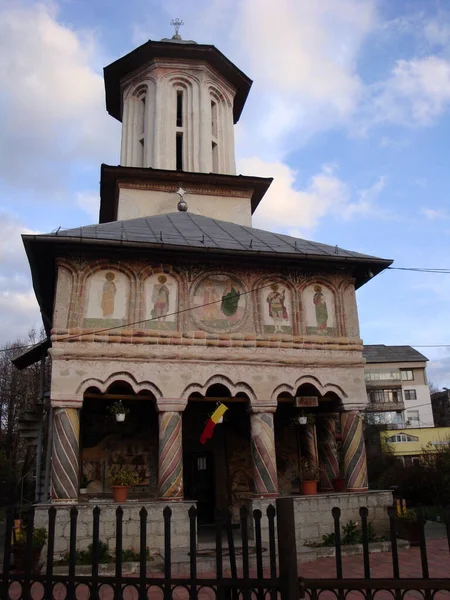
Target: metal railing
(276,574)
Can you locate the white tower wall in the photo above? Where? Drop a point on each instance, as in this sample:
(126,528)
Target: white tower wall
(185,101)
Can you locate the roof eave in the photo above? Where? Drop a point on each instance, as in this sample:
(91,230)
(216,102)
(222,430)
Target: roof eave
(116,71)
(111,177)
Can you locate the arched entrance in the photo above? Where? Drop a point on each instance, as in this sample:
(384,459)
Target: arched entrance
(219,472)
(105,442)
(307,428)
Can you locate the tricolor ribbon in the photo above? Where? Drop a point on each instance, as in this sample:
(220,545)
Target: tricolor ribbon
(214,419)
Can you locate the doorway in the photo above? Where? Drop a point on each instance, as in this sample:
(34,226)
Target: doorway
(200,484)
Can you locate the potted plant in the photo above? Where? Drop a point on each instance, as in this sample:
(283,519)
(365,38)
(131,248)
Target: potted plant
(121,479)
(310,476)
(306,419)
(408,526)
(119,410)
(340,483)
(19,548)
(84,482)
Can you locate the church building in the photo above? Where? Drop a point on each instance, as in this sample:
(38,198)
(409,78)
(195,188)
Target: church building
(174,304)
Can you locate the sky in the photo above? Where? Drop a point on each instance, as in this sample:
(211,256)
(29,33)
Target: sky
(349,112)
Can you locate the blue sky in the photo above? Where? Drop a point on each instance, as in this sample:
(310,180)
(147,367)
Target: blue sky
(349,111)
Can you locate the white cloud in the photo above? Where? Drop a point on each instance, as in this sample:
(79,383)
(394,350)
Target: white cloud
(90,203)
(303,57)
(51,98)
(18,307)
(433,214)
(287,207)
(415,94)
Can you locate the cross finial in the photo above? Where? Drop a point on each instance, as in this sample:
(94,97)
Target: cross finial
(177,23)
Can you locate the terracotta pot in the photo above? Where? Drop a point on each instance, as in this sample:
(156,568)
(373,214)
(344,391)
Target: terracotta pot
(340,484)
(409,530)
(309,488)
(120,493)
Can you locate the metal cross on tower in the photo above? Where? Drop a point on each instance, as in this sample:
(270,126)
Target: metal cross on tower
(177,23)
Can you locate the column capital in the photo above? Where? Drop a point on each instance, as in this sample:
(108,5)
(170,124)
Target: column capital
(171,404)
(263,407)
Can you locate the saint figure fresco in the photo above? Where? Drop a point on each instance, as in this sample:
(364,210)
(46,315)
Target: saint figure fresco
(321,309)
(209,299)
(160,299)
(107,299)
(108,295)
(277,309)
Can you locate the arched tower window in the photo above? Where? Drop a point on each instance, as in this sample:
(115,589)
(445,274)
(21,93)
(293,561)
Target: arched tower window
(140,126)
(218,115)
(180,128)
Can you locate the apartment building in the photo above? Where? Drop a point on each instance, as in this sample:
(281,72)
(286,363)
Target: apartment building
(397,388)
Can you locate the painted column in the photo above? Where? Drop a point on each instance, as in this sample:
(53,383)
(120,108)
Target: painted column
(65,455)
(308,442)
(265,476)
(170,472)
(354,449)
(328,456)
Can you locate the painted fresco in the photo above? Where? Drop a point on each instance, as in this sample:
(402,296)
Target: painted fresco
(221,303)
(107,299)
(319,310)
(276,309)
(161,301)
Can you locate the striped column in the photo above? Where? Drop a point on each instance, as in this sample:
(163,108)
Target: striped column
(326,441)
(354,452)
(265,477)
(170,478)
(308,442)
(65,456)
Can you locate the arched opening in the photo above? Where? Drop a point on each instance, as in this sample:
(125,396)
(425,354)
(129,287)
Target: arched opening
(307,433)
(106,442)
(218,472)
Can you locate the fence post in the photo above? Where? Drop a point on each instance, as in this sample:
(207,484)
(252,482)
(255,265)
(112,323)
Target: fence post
(287,549)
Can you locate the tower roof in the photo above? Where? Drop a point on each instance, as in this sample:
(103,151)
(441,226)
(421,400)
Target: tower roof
(116,71)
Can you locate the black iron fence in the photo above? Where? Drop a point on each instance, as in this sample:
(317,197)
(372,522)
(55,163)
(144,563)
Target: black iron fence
(274,574)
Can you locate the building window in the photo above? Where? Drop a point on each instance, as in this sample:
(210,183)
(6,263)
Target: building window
(384,396)
(394,418)
(407,374)
(382,375)
(201,463)
(409,461)
(214,118)
(410,395)
(179,151)
(402,438)
(179,108)
(413,416)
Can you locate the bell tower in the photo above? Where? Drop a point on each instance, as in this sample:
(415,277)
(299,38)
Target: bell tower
(178,102)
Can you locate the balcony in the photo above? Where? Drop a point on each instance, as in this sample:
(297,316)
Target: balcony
(386,399)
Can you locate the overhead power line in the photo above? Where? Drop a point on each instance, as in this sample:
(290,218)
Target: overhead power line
(130,324)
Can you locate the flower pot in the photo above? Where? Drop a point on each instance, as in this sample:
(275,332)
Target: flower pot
(120,417)
(120,493)
(83,491)
(19,558)
(309,488)
(409,530)
(302,420)
(340,484)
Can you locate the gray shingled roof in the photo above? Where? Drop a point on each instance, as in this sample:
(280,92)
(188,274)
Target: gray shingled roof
(198,232)
(379,353)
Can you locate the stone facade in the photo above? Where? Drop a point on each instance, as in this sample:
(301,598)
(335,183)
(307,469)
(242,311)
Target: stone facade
(131,525)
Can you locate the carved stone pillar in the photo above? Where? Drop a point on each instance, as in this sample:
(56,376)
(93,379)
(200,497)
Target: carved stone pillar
(354,449)
(265,476)
(328,456)
(170,472)
(66,454)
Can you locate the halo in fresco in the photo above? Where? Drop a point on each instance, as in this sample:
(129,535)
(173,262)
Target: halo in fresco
(220,301)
